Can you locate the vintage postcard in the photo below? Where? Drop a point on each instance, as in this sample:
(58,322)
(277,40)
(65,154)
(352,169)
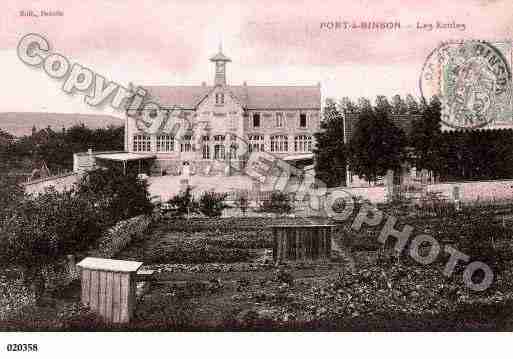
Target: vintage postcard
(242,166)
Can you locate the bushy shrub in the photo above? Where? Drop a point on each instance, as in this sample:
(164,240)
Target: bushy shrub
(184,202)
(279,203)
(211,204)
(243,203)
(44,228)
(120,196)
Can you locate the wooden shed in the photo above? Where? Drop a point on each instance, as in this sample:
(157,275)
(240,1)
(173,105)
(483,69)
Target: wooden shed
(302,242)
(108,287)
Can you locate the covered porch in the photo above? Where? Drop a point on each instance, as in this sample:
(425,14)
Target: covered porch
(128,162)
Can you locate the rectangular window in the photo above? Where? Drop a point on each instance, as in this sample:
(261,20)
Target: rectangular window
(303,143)
(206,147)
(206,151)
(279,143)
(219,147)
(219,152)
(302,120)
(279,119)
(256,143)
(256,120)
(142,143)
(185,145)
(165,143)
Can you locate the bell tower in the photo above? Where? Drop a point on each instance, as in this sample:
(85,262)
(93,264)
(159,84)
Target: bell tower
(220,61)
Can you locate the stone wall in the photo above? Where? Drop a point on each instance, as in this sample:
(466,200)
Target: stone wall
(471,191)
(475,190)
(59,183)
(376,194)
(119,236)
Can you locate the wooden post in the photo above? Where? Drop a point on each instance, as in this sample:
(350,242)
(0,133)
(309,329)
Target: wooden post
(108,287)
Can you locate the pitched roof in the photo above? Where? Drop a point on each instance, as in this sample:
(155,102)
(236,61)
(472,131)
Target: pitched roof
(251,97)
(276,97)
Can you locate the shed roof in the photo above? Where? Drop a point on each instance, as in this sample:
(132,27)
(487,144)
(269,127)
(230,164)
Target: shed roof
(111,265)
(124,157)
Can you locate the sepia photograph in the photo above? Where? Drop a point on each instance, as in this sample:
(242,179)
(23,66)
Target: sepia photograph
(221,167)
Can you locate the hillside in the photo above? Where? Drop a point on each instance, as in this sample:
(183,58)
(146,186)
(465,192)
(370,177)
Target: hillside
(21,123)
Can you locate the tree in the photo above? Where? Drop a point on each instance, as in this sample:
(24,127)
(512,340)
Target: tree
(399,107)
(411,104)
(330,157)
(425,138)
(382,105)
(40,230)
(364,104)
(184,202)
(376,145)
(347,106)
(211,204)
(57,148)
(10,192)
(120,196)
(278,203)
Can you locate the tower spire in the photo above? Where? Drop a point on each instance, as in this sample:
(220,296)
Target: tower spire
(220,61)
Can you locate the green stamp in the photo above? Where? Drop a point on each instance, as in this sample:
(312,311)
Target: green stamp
(473,82)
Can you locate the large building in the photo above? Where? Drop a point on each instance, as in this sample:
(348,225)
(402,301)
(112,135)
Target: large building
(209,128)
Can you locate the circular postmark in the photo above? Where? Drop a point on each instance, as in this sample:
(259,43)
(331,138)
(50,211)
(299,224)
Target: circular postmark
(471,78)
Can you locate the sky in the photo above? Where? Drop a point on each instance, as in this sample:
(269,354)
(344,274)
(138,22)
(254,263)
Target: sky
(277,42)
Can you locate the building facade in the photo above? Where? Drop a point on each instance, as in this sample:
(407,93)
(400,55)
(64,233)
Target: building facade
(210,129)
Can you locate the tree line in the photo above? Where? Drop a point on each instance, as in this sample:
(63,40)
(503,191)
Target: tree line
(56,147)
(377,144)
(20,156)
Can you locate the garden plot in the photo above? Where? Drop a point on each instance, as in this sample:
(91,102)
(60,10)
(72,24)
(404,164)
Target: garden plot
(219,275)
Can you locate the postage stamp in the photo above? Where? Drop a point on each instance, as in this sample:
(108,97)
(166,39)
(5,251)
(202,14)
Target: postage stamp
(472,78)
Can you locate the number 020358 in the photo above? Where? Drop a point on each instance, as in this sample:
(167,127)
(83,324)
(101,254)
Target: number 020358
(22,348)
